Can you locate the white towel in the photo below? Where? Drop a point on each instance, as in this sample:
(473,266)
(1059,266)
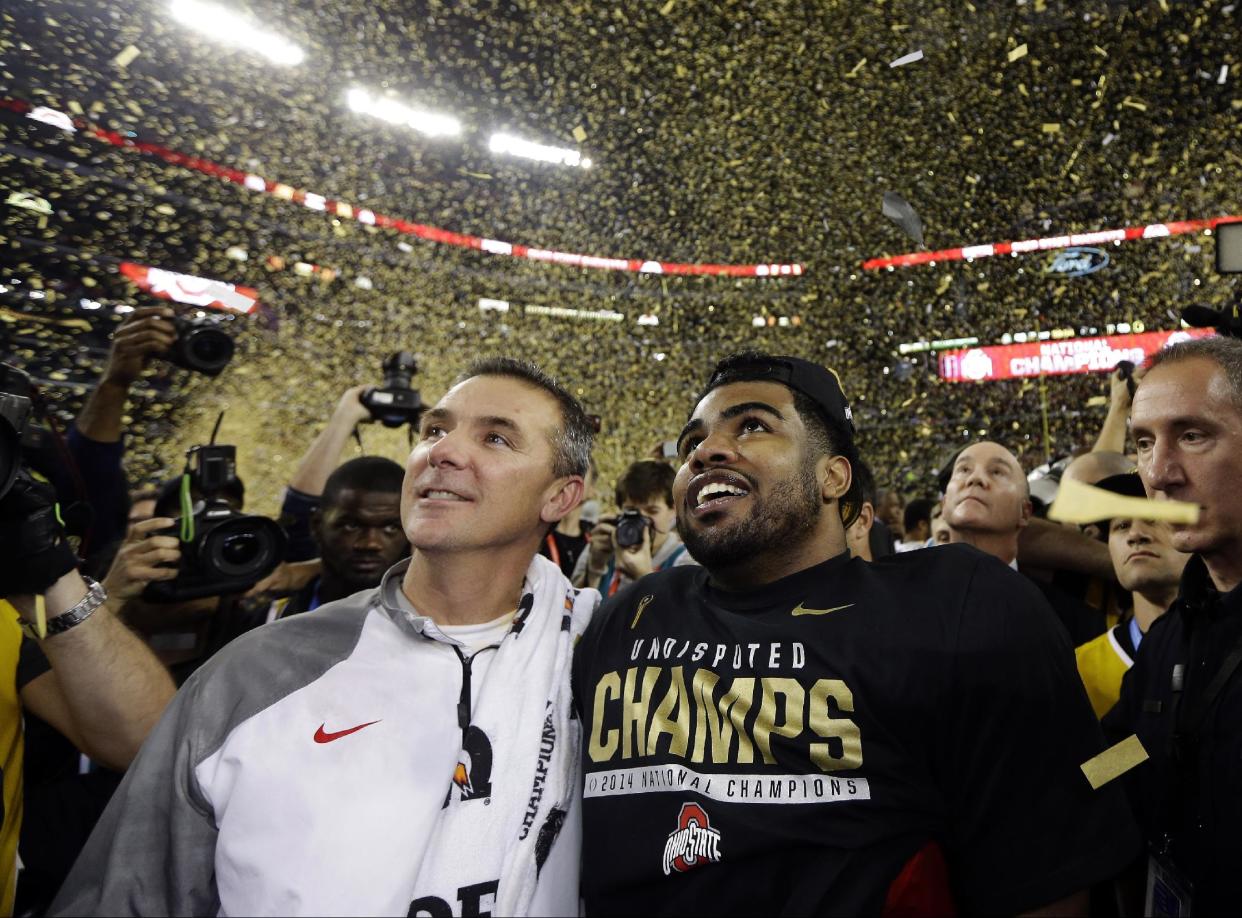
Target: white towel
(525,706)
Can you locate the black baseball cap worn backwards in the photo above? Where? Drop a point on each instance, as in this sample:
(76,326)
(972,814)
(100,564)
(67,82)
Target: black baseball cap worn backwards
(818,383)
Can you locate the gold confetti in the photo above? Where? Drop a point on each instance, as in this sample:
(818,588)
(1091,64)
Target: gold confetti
(1082,503)
(1114,762)
(1017,53)
(580,134)
(126,57)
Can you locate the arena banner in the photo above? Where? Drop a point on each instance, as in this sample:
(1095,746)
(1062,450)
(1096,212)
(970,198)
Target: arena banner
(1057,358)
(191,290)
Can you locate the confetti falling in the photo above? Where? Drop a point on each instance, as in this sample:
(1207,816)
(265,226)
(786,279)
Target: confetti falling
(757,132)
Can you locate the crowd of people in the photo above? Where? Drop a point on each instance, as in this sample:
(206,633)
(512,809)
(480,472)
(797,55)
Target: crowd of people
(637,625)
(767,492)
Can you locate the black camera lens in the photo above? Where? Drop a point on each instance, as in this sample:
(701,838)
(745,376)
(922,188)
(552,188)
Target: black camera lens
(241,550)
(631,525)
(245,546)
(208,350)
(399,370)
(201,345)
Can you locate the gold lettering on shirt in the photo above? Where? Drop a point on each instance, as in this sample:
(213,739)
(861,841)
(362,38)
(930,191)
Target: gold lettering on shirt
(794,699)
(634,708)
(844,749)
(719,719)
(603,745)
(678,728)
(722,720)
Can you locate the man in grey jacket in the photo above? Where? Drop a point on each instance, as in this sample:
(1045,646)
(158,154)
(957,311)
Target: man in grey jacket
(407,750)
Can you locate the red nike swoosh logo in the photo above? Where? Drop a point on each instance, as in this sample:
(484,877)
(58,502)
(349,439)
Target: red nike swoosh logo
(322,737)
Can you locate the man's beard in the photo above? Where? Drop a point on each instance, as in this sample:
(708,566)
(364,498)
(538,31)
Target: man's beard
(778,522)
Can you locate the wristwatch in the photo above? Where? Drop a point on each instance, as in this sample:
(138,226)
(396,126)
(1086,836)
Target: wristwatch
(95,597)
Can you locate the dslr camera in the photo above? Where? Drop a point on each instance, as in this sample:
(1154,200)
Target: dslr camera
(15,407)
(222,550)
(630,528)
(201,345)
(396,402)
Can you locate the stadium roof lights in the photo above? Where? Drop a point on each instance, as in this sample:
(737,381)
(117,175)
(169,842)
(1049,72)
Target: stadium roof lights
(224,25)
(527,149)
(389,109)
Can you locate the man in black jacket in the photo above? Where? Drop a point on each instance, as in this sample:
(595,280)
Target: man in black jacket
(1183,697)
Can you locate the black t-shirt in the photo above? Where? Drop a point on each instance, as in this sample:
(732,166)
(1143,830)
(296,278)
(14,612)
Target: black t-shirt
(1082,622)
(796,749)
(568,549)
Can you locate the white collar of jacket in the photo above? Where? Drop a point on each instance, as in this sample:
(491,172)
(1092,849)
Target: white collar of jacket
(541,574)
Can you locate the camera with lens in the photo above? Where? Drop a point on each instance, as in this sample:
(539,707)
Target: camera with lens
(201,345)
(396,402)
(15,406)
(222,550)
(630,528)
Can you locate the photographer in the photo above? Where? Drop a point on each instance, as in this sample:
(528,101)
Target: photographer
(87,675)
(645,493)
(85,469)
(187,611)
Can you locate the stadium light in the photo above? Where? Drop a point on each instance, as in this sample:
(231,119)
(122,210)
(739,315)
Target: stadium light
(527,149)
(224,25)
(388,109)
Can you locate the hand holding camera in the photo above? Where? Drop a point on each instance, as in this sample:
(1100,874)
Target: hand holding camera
(351,410)
(633,539)
(602,546)
(1122,384)
(145,556)
(144,333)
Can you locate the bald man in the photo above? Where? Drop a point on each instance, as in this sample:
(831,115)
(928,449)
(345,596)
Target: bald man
(987,504)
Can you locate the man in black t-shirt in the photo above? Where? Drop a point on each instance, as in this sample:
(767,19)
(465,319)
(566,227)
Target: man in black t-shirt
(786,730)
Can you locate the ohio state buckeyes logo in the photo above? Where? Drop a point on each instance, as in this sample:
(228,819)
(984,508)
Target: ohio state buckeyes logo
(693,843)
(472,779)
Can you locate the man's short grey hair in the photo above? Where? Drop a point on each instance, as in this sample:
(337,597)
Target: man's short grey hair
(1225,352)
(574,436)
